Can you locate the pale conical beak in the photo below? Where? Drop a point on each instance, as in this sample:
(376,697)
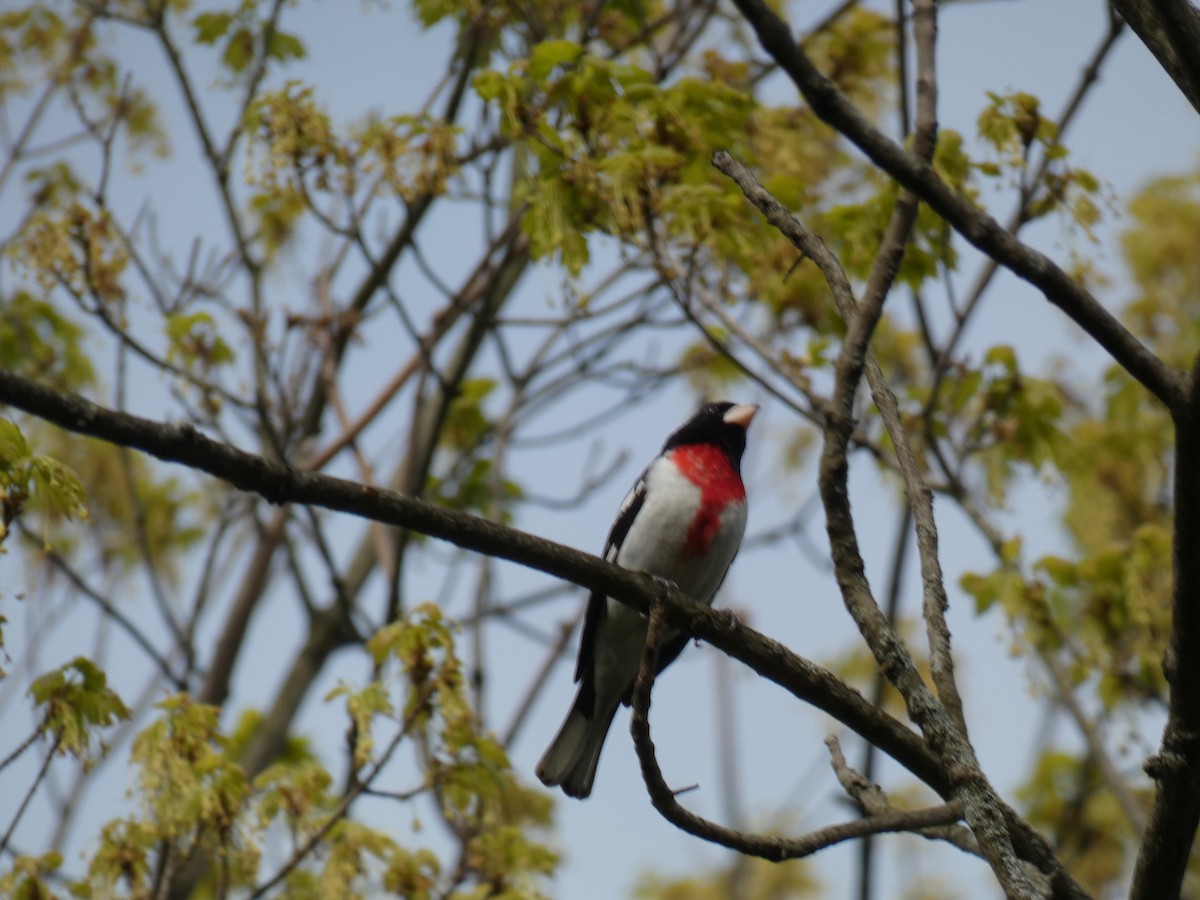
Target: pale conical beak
(741,414)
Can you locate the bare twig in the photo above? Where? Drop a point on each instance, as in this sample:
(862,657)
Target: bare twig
(1096,749)
(21,747)
(33,786)
(539,680)
(874,802)
(237,621)
(123,621)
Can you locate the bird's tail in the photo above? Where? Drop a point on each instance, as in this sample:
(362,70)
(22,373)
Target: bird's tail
(572,757)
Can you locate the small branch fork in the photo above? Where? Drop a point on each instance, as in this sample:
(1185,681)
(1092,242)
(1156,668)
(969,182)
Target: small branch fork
(769,847)
(874,802)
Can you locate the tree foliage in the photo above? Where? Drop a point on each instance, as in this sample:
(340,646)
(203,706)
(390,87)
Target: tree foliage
(414,308)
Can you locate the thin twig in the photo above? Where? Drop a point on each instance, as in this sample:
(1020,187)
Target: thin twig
(873,801)
(1133,810)
(22,747)
(33,786)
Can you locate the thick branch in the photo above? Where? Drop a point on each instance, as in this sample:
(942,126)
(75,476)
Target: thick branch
(1175,816)
(279,483)
(1170,29)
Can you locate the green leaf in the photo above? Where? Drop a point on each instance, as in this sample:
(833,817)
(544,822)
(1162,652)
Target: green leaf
(239,52)
(76,700)
(548,54)
(24,476)
(31,877)
(194,339)
(58,487)
(283,47)
(35,338)
(489,84)
(1062,571)
(13,448)
(180,325)
(211,27)
(1003,355)
(628,75)
(430,12)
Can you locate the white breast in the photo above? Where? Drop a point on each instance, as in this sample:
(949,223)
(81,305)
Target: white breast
(654,544)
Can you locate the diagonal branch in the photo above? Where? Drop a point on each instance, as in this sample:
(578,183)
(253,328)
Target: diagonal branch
(984,232)
(280,483)
(1170,29)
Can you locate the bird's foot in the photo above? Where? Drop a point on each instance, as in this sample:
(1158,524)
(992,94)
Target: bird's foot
(666,585)
(728,618)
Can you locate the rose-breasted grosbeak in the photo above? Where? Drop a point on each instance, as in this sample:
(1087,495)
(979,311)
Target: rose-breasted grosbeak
(683,521)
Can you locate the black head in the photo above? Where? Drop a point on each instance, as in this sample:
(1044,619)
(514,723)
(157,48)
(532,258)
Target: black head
(720,424)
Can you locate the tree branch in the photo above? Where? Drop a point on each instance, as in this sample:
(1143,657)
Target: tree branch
(1174,818)
(984,232)
(869,797)
(775,849)
(983,807)
(981,803)
(280,484)
(1170,29)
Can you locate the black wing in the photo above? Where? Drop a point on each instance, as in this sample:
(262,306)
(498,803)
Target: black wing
(597,602)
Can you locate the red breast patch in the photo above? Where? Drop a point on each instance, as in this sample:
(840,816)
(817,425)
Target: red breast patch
(709,469)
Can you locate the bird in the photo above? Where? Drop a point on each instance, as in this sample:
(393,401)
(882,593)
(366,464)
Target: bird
(682,522)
